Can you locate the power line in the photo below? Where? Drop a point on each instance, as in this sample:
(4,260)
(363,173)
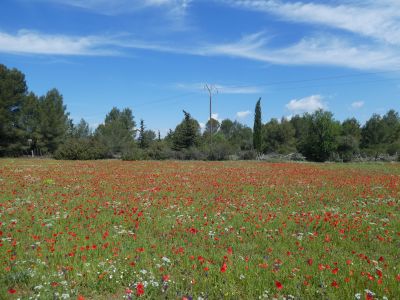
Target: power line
(211,90)
(315,79)
(174,98)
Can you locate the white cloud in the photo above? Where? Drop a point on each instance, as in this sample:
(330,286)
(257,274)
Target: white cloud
(376,19)
(36,43)
(357,104)
(307,104)
(215,116)
(116,7)
(316,50)
(222,89)
(243,114)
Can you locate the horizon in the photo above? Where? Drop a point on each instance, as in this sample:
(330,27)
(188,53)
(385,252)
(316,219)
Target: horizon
(154,57)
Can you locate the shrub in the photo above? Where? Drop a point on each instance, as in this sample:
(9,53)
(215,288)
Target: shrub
(134,153)
(248,155)
(81,149)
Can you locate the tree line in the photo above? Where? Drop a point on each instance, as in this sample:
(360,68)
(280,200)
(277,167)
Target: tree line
(40,125)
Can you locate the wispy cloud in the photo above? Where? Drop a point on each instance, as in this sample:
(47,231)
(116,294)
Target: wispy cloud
(222,89)
(116,7)
(357,104)
(316,50)
(30,42)
(377,19)
(243,114)
(307,104)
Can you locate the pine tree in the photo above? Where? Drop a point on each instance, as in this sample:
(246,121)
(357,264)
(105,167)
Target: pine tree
(13,90)
(257,139)
(141,135)
(53,120)
(187,133)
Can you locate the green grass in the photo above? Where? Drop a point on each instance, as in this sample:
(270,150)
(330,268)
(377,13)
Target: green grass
(98,229)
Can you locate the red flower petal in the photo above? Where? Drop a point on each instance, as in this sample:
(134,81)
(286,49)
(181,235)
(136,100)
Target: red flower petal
(278,285)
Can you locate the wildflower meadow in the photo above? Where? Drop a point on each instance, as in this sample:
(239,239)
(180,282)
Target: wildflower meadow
(198,230)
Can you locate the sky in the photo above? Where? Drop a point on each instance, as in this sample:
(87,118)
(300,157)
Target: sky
(155,56)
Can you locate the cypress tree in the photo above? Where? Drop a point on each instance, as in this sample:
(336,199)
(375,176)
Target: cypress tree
(257,127)
(141,135)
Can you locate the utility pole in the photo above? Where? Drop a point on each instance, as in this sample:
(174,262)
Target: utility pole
(211,90)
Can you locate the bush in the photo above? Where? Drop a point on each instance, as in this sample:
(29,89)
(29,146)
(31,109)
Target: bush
(81,149)
(193,153)
(134,153)
(393,149)
(248,155)
(160,151)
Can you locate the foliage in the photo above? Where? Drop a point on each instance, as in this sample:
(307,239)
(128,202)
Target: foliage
(118,130)
(13,90)
(279,137)
(134,153)
(186,134)
(321,139)
(81,149)
(211,126)
(53,121)
(40,125)
(257,129)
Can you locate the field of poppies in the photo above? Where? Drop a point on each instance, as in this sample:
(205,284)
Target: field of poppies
(198,230)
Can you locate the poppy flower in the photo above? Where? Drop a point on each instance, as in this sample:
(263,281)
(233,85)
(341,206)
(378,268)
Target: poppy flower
(334,284)
(278,285)
(224,267)
(139,289)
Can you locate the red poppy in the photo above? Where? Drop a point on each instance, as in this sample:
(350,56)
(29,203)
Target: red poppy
(278,285)
(379,273)
(12,291)
(224,267)
(139,289)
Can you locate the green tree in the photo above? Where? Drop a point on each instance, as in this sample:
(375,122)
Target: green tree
(279,137)
(81,130)
(212,124)
(349,139)
(146,137)
(226,127)
(141,138)
(257,129)
(391,122)
(13,90)
(351,127)
(30,124)
(238,135)
(187,133)
(53,121)
(118,131)
(321,140)
(373,136)
(300,125)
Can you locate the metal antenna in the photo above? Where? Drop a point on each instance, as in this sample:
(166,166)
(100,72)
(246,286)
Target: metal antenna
(211,90)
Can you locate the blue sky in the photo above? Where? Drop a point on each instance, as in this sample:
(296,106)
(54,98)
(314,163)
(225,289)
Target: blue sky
(155,56)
